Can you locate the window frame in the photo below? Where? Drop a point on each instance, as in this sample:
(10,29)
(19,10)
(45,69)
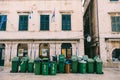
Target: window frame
(4,24)
(23,23)
(67,22)
(44,24)
(116,24)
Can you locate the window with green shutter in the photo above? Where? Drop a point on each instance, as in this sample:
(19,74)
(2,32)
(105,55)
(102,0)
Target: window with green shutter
(44,22)
(115,20)
(3,21)
(23,22)
(113,0)
(66,22)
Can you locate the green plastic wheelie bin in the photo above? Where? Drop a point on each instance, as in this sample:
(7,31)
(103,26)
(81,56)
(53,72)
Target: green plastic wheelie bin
(24,64)
(45,67)
(37,63)
(90,66)
(98,66)
(31,66)
(74,64)
(15,64)
(53,68)
(82,67)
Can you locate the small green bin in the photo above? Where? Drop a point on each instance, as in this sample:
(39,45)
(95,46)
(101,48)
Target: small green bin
(53,68)
(82,67)
(15,64)
(90,66)
(61,67)
(45,66)
(24,64)
(98,66)
(37,63)
(31,66)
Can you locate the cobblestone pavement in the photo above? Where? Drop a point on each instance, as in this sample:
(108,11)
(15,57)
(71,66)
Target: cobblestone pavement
(109,74)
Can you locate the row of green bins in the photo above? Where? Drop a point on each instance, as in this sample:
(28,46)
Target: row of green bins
(53,68)
(37,69)
(15,64)
(24,64)
(90,66)
(82,67)
(98,66)
(31,66)
(74,64)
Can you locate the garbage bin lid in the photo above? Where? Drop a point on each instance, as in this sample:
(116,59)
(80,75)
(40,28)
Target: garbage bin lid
(83,61)
(98,60)
(37,59)
(31,61)
(74,58)
(90,60)
(24,59)
(15,59)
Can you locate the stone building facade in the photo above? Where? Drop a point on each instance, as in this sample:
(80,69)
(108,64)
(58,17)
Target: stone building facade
(102,23)
(41,28)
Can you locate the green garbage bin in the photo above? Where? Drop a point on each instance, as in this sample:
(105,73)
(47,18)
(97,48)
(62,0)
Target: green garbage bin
(45,68)
(61,67)
(15,64)
(61,58)
(24,64)
(90,66)
(53,68)
(37,69)
(82,67)
(30,65)
(98,66)
(74,64)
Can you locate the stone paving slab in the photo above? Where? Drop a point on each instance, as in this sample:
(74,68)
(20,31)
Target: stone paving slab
(109,74)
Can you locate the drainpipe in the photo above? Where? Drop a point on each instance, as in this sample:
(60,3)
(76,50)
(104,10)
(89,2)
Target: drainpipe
(98,28)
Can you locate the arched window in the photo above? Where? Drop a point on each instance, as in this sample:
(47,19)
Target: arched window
(116,55)
(66,50)
(2,54)
(44,50)
(22,50)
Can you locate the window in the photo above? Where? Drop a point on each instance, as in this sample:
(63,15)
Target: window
(23,22)
(113,0)
(116,55)
(44,22)
(66,22)
(115,23)
(3,20)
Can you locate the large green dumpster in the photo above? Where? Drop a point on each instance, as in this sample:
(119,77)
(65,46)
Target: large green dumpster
(30,65)
(74,64)
(24,64)
(61,67)
(45,66)
(37,69)
(53,68)
(15,64)
(82,67)
(90,66)
(98,66)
